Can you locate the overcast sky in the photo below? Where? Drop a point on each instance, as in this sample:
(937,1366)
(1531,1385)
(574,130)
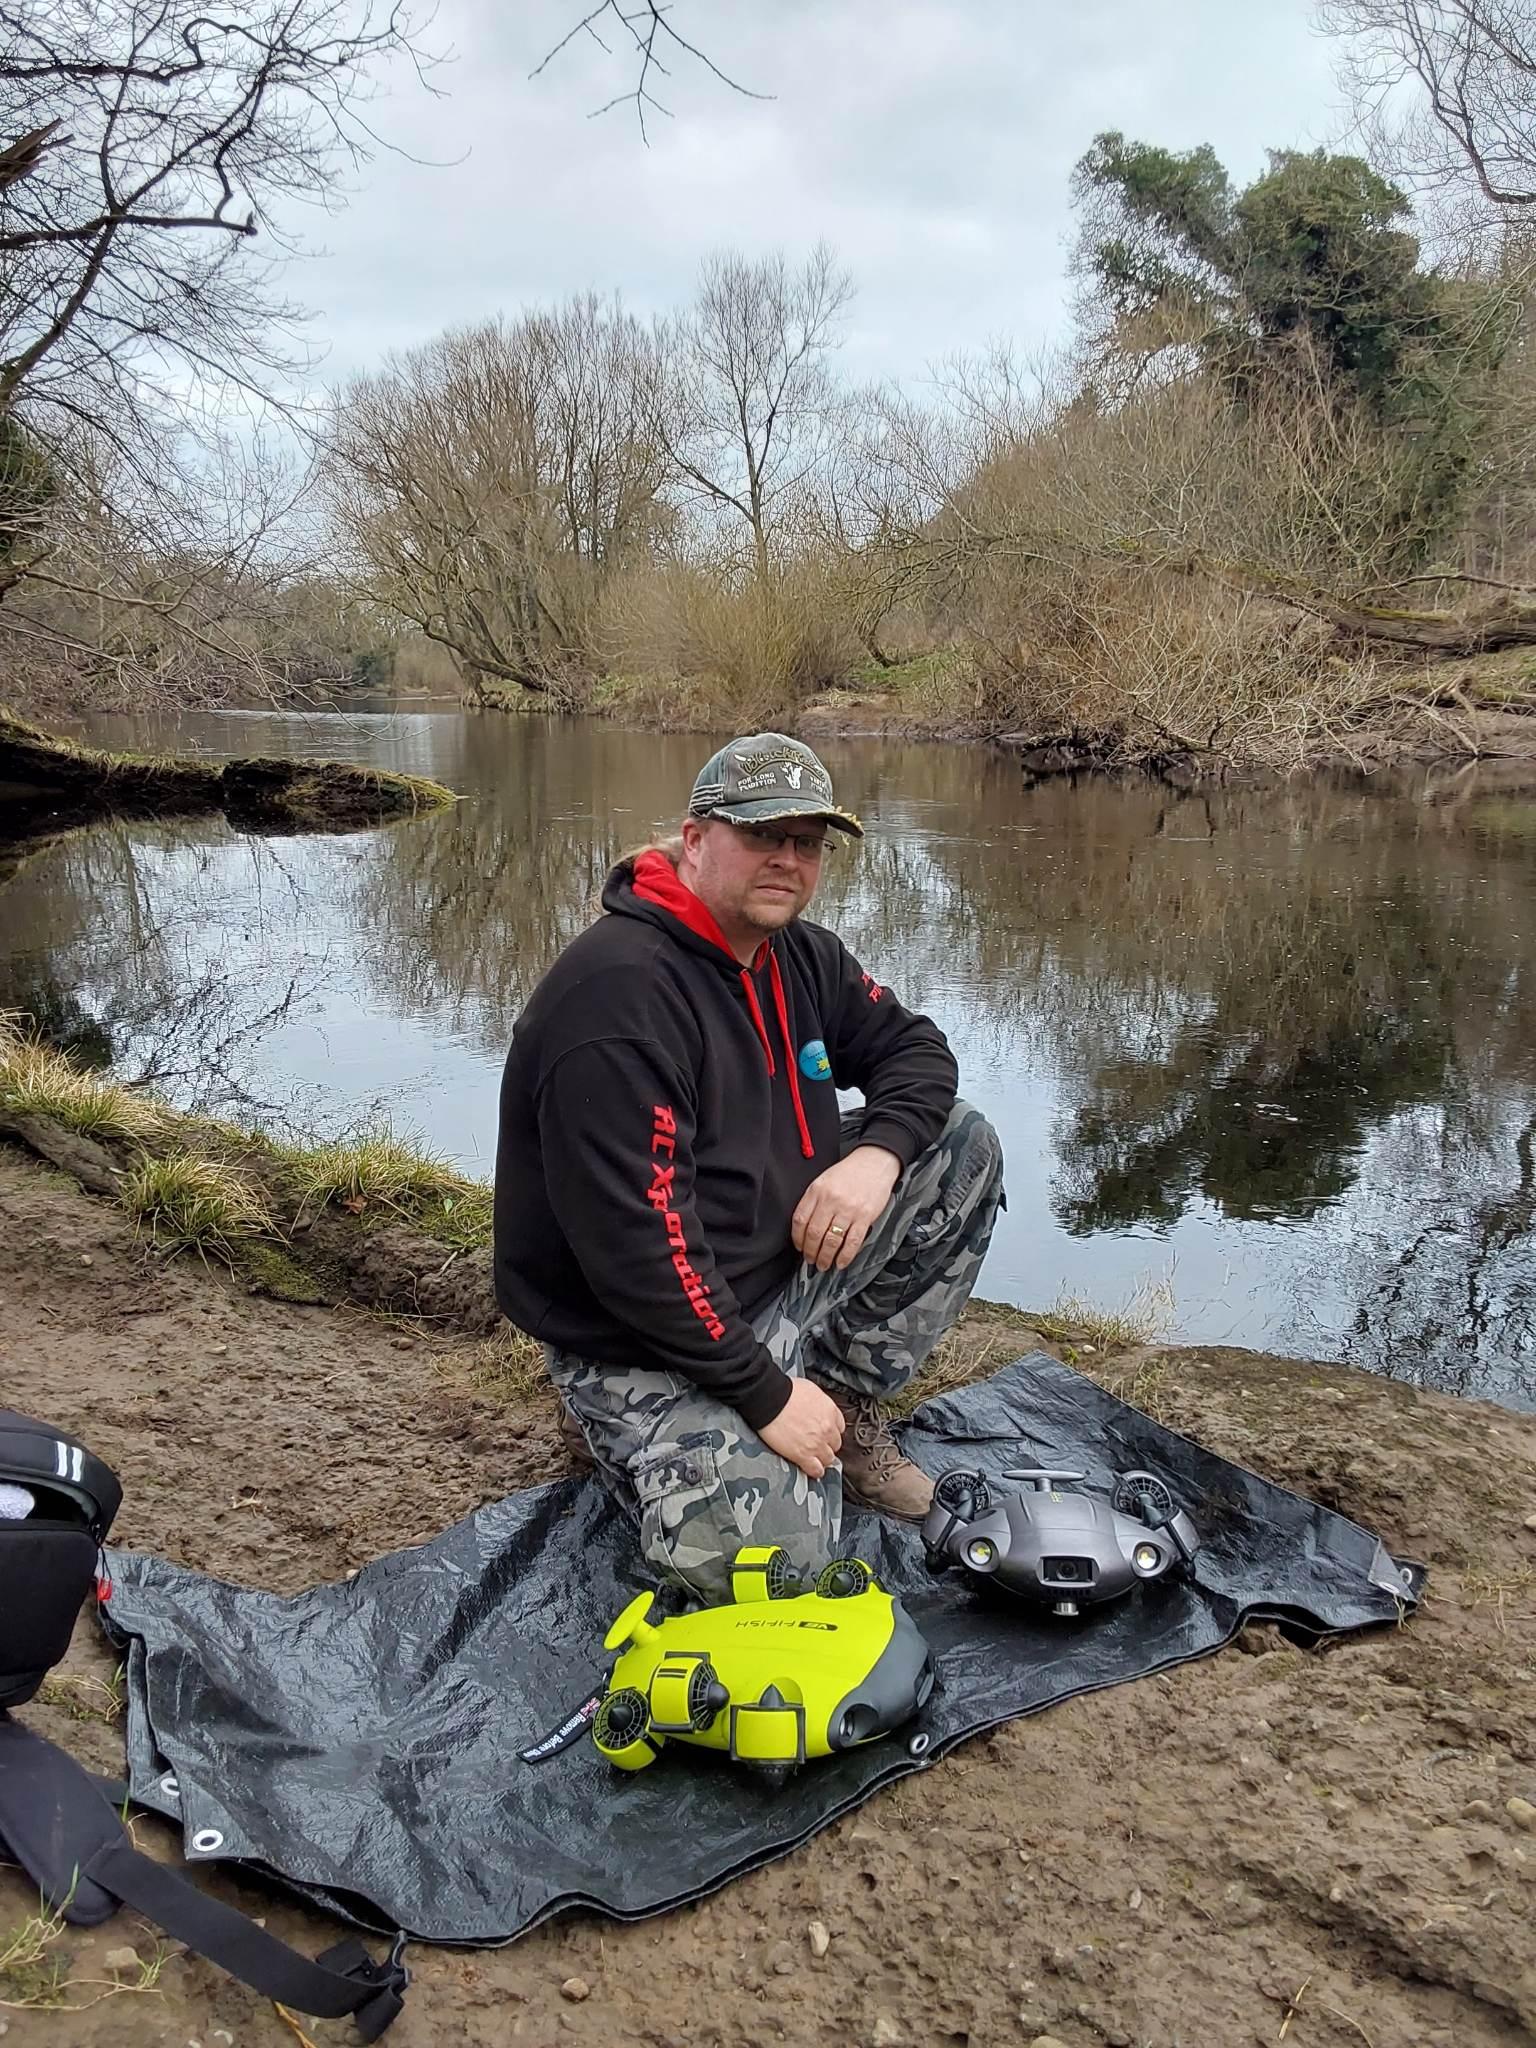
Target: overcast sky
(930,141)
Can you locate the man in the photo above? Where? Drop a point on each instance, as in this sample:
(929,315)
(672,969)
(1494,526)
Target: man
(727,1275)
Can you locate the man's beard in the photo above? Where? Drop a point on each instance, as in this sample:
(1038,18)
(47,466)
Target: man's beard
(761,922)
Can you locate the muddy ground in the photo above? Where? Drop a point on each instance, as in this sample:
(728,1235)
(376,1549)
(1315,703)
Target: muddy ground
(1165,1865)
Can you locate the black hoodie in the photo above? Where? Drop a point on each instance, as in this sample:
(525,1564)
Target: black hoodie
(663,1110)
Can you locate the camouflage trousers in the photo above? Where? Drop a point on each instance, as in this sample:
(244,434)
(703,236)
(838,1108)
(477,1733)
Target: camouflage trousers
(699,1480)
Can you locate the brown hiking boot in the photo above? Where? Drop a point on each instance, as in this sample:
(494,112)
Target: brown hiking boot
(572,1437)
(875,1474)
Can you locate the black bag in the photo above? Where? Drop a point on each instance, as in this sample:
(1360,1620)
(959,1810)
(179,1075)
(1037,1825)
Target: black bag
(48,1556)
(57,1504)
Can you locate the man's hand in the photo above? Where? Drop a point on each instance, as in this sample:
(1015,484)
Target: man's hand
(807,1430)
(838,1208)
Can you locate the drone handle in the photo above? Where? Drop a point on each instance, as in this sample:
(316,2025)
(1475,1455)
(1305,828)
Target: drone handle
(1043,1480)
(1175,1536)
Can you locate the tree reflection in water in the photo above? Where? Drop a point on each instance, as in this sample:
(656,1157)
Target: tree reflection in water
(127,946)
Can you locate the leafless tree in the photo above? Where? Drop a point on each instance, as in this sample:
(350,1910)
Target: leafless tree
(171,135)
(151,155)
(188,596)
(491,482)
(747,402)
(1447,89)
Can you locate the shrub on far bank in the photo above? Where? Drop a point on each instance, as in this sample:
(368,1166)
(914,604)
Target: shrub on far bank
(704,644)
(1145,663)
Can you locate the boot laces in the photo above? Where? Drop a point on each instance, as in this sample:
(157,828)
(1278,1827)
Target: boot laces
(872,1433)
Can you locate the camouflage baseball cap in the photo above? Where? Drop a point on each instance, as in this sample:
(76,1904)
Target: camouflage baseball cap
(767,776)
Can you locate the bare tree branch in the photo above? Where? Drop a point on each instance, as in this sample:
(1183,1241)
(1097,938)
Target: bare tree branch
(645,23)
(745,398)
(1469,71)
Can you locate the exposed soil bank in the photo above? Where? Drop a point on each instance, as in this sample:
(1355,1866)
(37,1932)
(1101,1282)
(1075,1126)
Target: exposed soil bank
(49,785)
(1163,1865)
(424,1255)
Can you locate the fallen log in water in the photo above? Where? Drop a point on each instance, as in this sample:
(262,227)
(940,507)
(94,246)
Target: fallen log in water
(49,785)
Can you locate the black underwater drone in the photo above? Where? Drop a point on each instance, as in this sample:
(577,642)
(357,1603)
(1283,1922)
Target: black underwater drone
(1062,1549)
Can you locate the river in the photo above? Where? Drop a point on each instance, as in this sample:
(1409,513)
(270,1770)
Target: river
(1264,1062)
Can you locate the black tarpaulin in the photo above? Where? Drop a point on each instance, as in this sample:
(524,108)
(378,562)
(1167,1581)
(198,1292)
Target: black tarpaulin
(360,1740)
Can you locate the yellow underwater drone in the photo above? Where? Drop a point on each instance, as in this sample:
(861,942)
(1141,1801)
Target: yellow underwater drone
(774,1677)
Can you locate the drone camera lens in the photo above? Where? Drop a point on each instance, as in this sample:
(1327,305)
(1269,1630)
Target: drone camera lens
(1067,1571)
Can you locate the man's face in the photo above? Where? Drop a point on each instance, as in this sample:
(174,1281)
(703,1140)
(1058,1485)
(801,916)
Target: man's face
(755,879)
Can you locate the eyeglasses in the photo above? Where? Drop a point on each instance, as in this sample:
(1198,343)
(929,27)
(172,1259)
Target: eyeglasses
(768,839)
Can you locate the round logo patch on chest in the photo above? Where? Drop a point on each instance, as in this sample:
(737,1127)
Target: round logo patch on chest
(814,1063)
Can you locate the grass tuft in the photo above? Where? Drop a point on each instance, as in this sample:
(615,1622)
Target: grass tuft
(184,1202)
(461,1219)
(1505,1590)
(1147,1387)
(34,1978)
(30,1975)
(37,1081)
(87,1699)
(962,1358)
(993,1333)
(1146,1317)
(381,1171)
(423,793)
(507,1367)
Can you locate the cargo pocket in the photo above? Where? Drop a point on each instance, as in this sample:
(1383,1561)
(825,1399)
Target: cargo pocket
(688,1531)
(979,1156)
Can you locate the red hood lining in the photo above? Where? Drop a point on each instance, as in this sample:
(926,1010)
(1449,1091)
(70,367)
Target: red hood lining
(658,882)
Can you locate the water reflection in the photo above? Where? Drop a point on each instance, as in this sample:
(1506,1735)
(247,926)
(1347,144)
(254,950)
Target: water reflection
(160,950)
(1280,1039)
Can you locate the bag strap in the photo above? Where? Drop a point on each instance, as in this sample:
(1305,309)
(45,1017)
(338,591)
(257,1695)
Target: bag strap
(56,1823)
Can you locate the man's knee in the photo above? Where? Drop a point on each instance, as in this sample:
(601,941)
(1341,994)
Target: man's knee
(968,1159)
(701,1503)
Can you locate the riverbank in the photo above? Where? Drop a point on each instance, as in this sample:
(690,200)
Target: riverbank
(1367,717)
(1361,719)
(374,1222)
(1269,1835)
(49,786)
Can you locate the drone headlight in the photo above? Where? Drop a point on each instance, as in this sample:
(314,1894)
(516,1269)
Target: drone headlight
(1146,1557)
(981,1553)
